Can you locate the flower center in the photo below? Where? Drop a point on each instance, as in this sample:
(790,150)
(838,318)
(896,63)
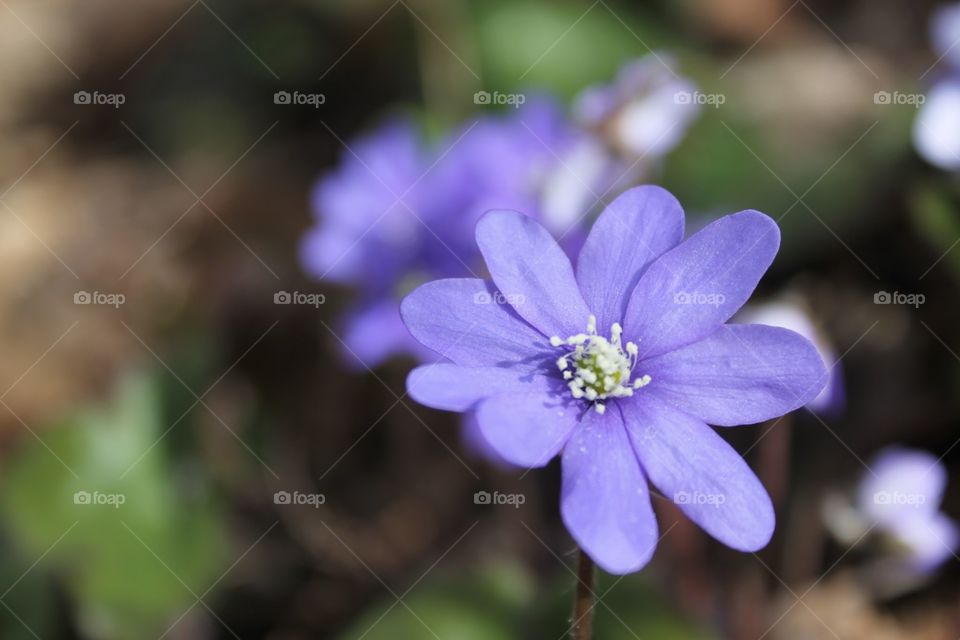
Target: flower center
(596,368)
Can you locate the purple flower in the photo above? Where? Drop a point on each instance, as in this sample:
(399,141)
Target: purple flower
(936,130)
(619,365)
(901,498)
(792,315)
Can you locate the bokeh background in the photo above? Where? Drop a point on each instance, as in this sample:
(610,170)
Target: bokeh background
(186,398)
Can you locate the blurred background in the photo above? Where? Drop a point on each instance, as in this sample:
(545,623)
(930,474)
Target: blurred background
(188,449)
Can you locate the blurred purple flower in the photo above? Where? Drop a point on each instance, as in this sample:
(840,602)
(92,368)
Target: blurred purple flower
(365,233)
(936,130)
(792,315)
(645,112)
(396,213)
(945,33)
(503,162)
(529,353)
(901,498)
(368,234)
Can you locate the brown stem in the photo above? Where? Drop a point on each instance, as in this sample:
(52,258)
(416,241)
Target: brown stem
(583,600)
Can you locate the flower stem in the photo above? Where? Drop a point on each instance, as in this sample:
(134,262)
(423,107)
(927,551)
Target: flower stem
(583,600)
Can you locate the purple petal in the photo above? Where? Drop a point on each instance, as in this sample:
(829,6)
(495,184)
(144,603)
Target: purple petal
(605,501)
(700,472)
(330,254)
(654,125)
(533,272)
(379,167)
(456,388)
(945,32)
(570,186)
(901,494)
(467,183)
(793,316)
(902,484)
(936,130)
(646,110)
(363,233)
(527,429)
(476,443)
(929,541)
(375,333)
(741,374)
(467,321)
(688,292)
(637,227)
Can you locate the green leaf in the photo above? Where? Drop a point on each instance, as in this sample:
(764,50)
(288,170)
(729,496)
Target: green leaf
(478,605)
(97,497)
(542,44)
(937,218)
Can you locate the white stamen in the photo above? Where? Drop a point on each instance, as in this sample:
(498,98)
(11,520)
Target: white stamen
(615,332)
(601,368)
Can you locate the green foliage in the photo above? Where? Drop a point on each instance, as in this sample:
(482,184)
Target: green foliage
(937,218)
(559,46)
(480,605)
(97,498)
(729,162)
(29,600)
(732,158)
(500,602)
